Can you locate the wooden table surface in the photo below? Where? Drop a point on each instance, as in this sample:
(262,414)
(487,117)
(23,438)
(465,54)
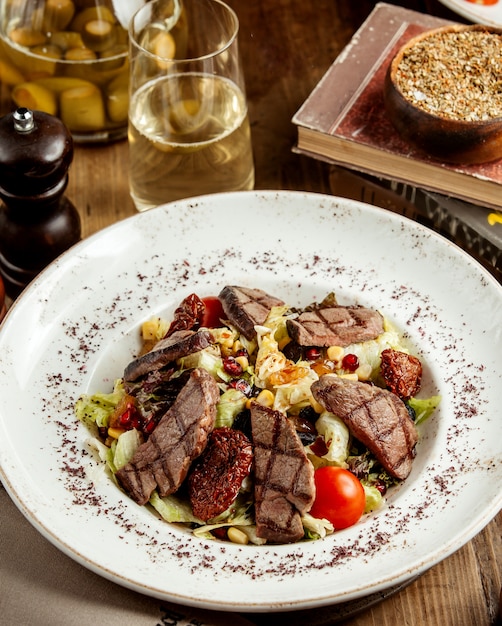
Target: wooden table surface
(287,45)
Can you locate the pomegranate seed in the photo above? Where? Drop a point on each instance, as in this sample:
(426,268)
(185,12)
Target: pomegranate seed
(319,447)
(312,354)
(149,427)
(242,352)
(231,366)
(220,533)
(381,487)
(350,362)
(125,418)
(242,385)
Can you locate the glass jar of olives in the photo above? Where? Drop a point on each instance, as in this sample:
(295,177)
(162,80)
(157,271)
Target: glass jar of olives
(68,58)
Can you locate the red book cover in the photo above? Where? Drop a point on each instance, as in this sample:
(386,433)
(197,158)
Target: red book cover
(344,120)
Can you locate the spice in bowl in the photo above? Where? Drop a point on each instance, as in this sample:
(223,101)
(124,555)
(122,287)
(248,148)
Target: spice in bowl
(443,92)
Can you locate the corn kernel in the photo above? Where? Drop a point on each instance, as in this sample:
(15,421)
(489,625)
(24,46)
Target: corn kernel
(363,372)
(242,361)
(149,329)
(335,353)
(265,398)
(351,376)
(237,536)
(115,432)
(283,342)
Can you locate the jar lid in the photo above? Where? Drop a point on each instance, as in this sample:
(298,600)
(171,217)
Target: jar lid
(36,150)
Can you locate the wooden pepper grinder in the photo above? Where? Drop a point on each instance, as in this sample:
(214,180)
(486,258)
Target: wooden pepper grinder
(37,222)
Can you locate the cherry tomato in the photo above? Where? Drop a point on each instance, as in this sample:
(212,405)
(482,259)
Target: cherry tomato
(340,497)
(213,312)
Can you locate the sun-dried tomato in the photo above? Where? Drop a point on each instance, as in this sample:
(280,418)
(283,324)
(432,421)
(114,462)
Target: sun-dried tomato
(217,476)
(401,372)
(188,315)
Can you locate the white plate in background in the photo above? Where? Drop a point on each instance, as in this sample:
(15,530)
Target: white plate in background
(490,15)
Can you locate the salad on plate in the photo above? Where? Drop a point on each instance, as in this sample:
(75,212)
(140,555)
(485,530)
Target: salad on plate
(250,420)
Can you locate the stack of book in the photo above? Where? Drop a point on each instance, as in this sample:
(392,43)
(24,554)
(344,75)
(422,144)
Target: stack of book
(344,122)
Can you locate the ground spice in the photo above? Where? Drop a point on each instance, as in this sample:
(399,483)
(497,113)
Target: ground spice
(454,74)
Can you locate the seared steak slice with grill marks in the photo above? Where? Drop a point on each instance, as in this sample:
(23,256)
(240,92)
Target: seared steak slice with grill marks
(180,437)
(335,326)
(246,308)
(179,344)
(376,417)
(284,477)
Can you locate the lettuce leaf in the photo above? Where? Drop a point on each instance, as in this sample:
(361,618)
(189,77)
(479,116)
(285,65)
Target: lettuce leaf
(173,509)
(423,407)
(337,438)
(231,402)
(124,448)
(96,409)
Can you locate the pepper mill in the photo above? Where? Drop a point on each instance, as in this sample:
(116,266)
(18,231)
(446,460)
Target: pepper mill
(37,221)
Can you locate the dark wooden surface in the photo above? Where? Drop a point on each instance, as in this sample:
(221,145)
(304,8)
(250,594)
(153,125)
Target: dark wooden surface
(286,46)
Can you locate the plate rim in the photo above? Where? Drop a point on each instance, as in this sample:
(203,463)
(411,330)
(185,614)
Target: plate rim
(398,219)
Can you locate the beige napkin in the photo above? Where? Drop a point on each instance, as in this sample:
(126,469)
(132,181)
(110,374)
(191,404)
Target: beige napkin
(39,585)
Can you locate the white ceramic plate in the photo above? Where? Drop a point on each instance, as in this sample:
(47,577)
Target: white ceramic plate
(76,327)
(477,13)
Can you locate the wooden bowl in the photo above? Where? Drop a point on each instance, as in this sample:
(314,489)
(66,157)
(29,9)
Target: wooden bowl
(437,117)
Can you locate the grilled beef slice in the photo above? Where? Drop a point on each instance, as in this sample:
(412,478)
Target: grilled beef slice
(374,416)
(335,326)
(245,308)
(179,344)
(180,437)
(284,477)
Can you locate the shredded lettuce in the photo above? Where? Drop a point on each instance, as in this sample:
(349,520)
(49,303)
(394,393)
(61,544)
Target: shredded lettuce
(316,528)
(231,402)
(369,351)
(374,499)
(208,359)
(337,438)
(124,448)
(97,408)
(297,394)
(276,321)
(173,509)
(269,358)
(239,514)
(424,407)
